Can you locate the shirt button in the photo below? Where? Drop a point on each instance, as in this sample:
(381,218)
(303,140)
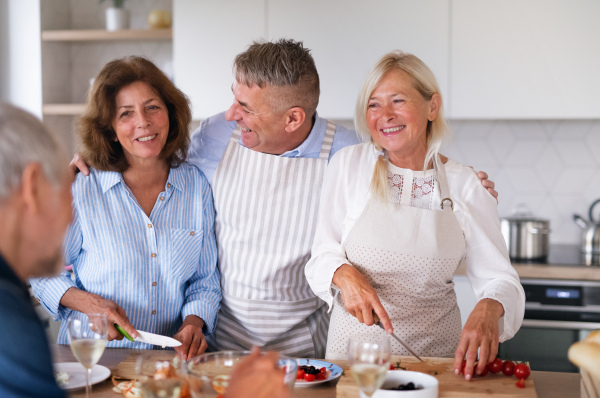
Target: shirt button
(162,198)
(154,283)
(192,233)
(149,225)
(168,185)
(153,312)
(153,254)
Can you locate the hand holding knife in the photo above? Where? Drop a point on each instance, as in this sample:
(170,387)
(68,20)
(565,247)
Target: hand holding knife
(398,339)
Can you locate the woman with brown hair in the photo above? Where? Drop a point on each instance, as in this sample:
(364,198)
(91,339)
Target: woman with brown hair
(142,242)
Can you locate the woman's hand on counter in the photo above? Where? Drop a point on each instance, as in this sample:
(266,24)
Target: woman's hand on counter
(192,339)
(90,303)
(360,298)
(480,332)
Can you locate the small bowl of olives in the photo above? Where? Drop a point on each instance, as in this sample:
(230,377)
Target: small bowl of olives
(407,384)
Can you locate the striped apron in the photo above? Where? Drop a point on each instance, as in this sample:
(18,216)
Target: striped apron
(266,210)
(409,256)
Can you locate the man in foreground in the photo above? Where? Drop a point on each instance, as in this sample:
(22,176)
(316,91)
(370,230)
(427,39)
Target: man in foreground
(35,210)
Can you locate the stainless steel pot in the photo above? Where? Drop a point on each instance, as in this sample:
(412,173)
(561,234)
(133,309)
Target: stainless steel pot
(526,237)
(590,238)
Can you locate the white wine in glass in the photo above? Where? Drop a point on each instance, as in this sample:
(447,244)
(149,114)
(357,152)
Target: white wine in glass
(369,356)
(87,337)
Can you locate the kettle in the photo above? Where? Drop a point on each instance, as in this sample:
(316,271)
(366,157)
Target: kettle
(590,243)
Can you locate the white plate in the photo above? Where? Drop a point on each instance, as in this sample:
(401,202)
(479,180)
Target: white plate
(333,372)
(76,373)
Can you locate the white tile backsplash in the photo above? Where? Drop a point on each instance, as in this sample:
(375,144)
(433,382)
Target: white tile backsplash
(552,166)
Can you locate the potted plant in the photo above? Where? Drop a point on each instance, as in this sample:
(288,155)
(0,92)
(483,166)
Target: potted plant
(117,17)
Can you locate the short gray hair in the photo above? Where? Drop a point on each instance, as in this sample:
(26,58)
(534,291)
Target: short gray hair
(286,65)
(25,140)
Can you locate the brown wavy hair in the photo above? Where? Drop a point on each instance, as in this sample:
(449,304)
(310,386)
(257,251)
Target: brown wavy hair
(99,148)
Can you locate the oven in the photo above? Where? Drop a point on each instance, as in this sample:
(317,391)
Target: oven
(558,313)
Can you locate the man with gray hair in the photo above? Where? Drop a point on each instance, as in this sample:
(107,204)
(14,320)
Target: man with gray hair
(35,211)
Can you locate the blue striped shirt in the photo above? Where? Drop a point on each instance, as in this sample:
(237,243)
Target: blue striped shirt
(160,269)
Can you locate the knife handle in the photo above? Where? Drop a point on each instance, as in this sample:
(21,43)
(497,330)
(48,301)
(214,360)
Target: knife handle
(376,319)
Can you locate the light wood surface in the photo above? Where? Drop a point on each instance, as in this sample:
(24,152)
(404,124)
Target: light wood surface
(105,35)
(554,271)
(547,384)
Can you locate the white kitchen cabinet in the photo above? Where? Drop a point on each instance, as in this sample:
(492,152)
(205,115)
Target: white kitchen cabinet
(348,38)
(531,59)
(207,35)
(346,41)
(464,296)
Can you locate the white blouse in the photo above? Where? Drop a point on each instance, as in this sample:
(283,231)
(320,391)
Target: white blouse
(345,194)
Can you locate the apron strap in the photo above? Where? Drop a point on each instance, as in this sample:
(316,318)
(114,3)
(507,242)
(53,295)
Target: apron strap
(445,203)
(327,141)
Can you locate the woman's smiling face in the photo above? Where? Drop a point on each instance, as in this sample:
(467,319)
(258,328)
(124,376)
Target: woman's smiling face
(397,116)
(141,122)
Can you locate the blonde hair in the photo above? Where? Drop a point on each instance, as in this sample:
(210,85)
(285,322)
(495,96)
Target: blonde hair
(425,83)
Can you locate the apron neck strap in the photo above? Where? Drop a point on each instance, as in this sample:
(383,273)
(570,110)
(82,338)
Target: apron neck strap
(440,170)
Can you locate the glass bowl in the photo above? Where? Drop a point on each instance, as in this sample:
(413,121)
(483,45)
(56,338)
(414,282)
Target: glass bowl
(209,373)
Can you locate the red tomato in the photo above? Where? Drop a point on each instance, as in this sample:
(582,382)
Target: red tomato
(483,372)
(300,374)
(392,367)
(321,376)
(308,377)
(495,366)
(323,370)
(508,368)
(522,371)
(520,383)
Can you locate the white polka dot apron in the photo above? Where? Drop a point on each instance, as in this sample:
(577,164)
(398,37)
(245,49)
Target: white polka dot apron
(409,256)
(266,210)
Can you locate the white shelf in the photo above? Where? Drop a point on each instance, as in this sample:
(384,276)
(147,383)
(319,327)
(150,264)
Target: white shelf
(105,35)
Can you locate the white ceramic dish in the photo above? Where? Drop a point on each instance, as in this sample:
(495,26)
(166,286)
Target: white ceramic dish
(397,377)
(76,373)
(333,372)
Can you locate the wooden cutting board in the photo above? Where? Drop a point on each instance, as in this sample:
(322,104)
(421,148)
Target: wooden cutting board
(126,369)
(451,385)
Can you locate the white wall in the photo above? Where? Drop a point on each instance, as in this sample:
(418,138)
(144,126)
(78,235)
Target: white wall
(20,53)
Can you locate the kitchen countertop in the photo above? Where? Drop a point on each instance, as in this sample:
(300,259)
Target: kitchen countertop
(551,271)
(547,384)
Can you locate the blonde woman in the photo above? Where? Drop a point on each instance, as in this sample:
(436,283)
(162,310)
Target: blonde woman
(397,218)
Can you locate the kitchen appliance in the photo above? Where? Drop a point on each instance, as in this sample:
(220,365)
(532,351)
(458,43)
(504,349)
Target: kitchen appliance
(558,313)
(590,239)
(526,236)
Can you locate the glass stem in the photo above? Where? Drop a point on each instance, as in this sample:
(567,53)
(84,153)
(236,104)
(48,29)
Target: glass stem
(88,388)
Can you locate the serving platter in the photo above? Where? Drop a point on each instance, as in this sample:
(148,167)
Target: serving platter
(76,373)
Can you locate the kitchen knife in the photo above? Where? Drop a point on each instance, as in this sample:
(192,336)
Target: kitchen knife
(398,339)
(156,339)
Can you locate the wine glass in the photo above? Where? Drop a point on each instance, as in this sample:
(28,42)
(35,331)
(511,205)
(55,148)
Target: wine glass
(87,337)
(369,356)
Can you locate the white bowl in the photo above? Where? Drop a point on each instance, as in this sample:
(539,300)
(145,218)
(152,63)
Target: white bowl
(397,377)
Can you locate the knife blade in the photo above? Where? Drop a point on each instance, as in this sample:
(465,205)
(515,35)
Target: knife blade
(156,339)
(398,339)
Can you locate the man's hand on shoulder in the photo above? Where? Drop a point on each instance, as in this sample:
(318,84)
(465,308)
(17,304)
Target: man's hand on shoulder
(79,165)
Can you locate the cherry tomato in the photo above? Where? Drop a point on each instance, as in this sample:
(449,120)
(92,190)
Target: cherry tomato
(483,372)
(495,366)
(308,377)
(392,367)
(323,370)
(300,374)
(508,368)
(522,371)
(520,383)
(321,376)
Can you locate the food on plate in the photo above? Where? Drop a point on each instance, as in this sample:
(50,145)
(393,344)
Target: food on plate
(586,354)
(406,387)
(311,373)
(62,378)
(130,389)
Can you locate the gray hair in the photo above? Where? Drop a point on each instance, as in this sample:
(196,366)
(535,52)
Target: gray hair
(286,65)
(25,140)
(425,83)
